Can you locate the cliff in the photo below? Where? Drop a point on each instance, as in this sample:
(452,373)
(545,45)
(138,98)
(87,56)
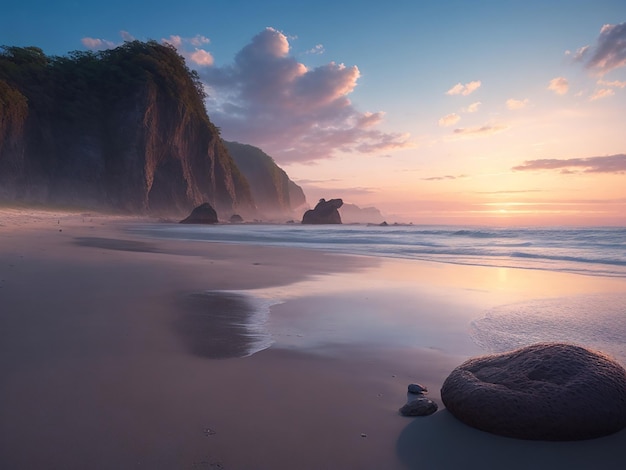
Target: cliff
(274,193)
(353,214)
(124,129)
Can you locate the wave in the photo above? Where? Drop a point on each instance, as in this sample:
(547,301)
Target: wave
(573,259)
(594,251)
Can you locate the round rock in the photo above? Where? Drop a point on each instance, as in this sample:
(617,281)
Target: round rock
(547,391)
(421,406)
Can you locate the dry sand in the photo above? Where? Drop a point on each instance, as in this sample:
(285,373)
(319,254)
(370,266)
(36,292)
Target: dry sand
(105,363)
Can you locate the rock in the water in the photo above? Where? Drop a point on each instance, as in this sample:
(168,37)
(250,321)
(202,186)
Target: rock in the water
(203,214)
(417,389)
(325,212)
(421,406)
(236,219)
(547,391)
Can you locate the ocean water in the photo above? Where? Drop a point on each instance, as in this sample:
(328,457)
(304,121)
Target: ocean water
(592,320)
(597,251)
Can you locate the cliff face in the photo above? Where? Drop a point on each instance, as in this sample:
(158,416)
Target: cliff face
(123,129)
(274,193)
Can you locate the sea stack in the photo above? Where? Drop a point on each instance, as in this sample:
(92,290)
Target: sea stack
(325,212)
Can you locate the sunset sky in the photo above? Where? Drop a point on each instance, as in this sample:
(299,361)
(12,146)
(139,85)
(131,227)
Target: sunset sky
(436,112)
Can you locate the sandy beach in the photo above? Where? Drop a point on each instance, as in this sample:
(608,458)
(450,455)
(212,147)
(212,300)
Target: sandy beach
(122,352)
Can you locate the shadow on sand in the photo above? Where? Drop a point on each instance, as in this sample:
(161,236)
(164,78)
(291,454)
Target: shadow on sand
(441,441)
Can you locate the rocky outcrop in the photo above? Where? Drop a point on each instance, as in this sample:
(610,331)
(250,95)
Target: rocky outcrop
(275,195)
(122,129)
(325,212)
(203,214)
(548,391)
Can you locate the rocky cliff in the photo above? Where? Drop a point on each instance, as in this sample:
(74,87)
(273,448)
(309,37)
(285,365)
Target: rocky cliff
(274,193)
(124,129)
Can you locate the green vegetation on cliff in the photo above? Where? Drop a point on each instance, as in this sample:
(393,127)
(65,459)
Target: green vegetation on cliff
(124,128)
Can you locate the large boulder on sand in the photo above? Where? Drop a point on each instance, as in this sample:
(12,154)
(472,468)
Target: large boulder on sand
(548,391)
(203,214)
(325,212)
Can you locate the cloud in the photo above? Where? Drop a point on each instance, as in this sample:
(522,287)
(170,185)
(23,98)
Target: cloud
(464,90)
(615,164)
(514,104)
(479,131)
(580,53)
(449,120)
(559,85)
(614,83)
(609,52)
(472,108)
(190,49)
(96,44)
(318,49)
(601,93)
(296,114)
(443,178)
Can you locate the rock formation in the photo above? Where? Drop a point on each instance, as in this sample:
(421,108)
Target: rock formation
(275,195)
(124,129)
(203,214)
(353,214)
(325,212)
(547,391)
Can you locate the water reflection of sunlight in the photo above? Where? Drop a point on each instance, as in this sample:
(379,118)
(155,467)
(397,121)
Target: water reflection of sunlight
(405,302)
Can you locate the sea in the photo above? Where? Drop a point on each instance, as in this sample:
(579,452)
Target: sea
(593,320)
(597,251)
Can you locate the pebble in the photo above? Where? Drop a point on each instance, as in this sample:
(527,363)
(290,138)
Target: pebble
(417,389)
(421,406)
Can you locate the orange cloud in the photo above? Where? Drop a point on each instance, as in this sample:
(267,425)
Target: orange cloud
(514,104)
(559,85)
(468,88)
(449,120)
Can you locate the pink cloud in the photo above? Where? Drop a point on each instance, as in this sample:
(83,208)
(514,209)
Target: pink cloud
(449,120)
(190,49)
(614,83)
(559,85)
(95,44)
(479,131)
(514,104)
(269,99)
(601,93)
(609,52)
(615,164)
(468,88)
(472,108)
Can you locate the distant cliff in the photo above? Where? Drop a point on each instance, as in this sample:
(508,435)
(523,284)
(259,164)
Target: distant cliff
(353,214)
(274,193)
(124,129)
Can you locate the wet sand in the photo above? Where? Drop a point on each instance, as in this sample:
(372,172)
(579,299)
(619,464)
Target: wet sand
(119,352)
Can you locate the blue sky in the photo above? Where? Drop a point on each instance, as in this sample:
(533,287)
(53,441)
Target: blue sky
(370,111)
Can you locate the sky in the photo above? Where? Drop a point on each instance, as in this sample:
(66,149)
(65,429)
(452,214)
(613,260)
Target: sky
(435,112)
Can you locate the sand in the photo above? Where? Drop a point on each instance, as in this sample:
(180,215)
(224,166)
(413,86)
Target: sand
(105,362)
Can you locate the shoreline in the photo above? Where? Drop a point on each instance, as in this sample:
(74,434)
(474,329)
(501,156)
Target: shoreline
(98,374)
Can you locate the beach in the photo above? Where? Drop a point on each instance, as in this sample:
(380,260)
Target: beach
(122,351)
